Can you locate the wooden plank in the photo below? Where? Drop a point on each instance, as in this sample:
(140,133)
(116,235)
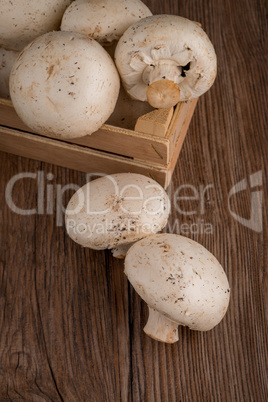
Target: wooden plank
(141,146)
(180,135)
(155,122)
(74,156)
(182,111)
(108,138)
(80,157)
(144,147)
(49,293)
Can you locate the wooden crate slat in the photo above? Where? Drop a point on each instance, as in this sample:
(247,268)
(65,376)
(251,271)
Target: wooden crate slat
(110,150)
(156,122)
(74,156)
(127,143)
(116,140)
(120,141)
(180,139)
(183,111)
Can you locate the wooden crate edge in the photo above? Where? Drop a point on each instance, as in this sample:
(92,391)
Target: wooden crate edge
(73,156)
(125,142)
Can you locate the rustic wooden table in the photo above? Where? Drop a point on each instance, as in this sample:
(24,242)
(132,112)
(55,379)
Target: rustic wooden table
(71,325)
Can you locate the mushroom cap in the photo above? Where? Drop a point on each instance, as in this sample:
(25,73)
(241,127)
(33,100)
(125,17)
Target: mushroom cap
(116,209)
(64,85)
(105,20)
(166,46)
(21,21)
(180,279)
(7,59)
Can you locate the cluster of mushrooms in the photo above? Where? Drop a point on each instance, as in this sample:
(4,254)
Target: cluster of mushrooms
(61,62)
(180,280)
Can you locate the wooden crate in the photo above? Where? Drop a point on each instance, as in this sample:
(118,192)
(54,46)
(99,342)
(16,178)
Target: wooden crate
(112,149)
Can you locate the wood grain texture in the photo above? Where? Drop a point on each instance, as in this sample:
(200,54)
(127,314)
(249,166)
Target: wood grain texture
(73,156)
(150,148)
(125,142)
(71,325)
(76,154)
(155,122)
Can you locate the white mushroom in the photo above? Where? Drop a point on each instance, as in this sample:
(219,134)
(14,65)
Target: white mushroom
(182,283)
(7,59)
(21,21)
(115,210)
(64,84)
(165,59)
(105,20)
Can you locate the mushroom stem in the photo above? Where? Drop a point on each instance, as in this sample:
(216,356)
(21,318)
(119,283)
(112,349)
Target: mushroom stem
(161,328)
(163,94)
(163,78)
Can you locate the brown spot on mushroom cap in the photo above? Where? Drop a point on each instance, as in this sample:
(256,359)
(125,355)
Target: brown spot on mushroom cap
(50,71)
